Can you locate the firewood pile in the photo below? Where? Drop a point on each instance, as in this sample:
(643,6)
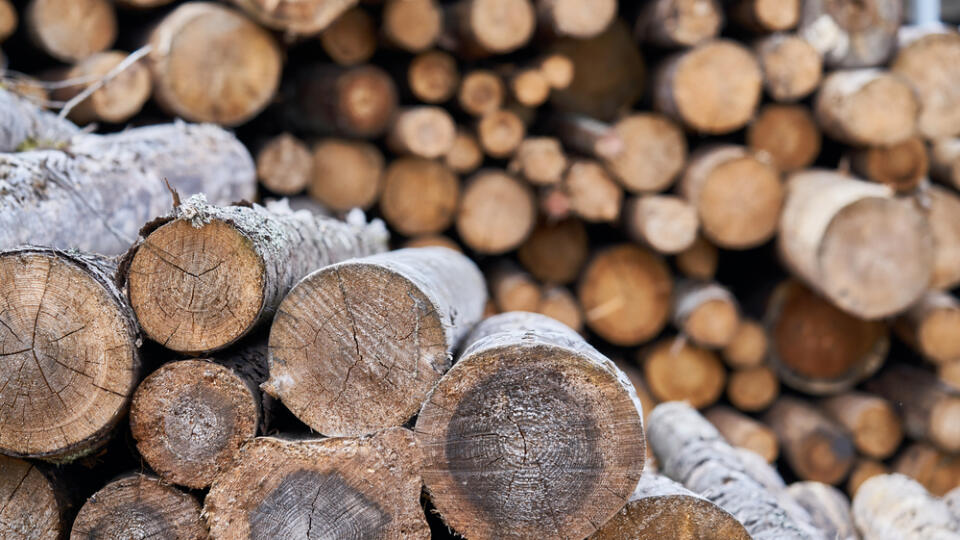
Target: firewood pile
(479,268)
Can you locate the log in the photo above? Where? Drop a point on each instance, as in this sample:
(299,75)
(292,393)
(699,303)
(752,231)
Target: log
(930,409)
(558,69)
(744,432)
(27,126)
(815,347)
(738,197)
(480,28)
(139,506)
(713,88)
(662,508)
(867,252)
(815,447)
(932,327)
(465,156)
(358,101)
(892,507)
(407,310)
(71,30)
(863,470)
(560,304)
(117,100)
(512,289)
(764,16)
(705,312)
(247,56)
(847,100)
(591,192)
(433,240)
(937,471)
(351,38)
(653,153)
(529,86)
(587,135)
(928,63)
(666,223)
(481,92)
(953,502)
(943,215)
(692,452)
(829,508)
(529,398)
(902,166)
(285,166)
(422,131)
(34,508)
(679,23)
(748,347)
(412,25)
(626,292)
(321,488)
(347,174)
(792,67)
(497,212)
(9,20)
(500,133)
(555,252)
(945,161)
(575,19)
(195,299)
(851,34)
(69,345)
(699,261)
(433,77)
(871,420)
(540,160)
(752,389)
(949,373)
(295,17)
(190,417)
(677,371)
(785,135)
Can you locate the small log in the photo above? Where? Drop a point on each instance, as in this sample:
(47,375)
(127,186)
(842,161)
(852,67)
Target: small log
(560,304)
(662,508)
(943,215)
(512,289)
(465,156)
(626,292)
(872,421)
(407,311)
(852,34)
(815,347)
(902,166)
(433,240)
(829,508)
(930,409)
(893,507)
(706,312)
(574,18)
(863,470)
(928,64)
(139,506)
(540,160)
(713,88)
(480,28)
(497,212)
(555,252)
(699,261)
(945,161)
(117,100)
(937,471)
(870,254)
(500,133)
(412,25)
(295,17)
(653,153)
(419,196)
(737,196)
(591,192)
(248,59)
(666,223)
(71,30)
(347,174)
(677,371)
(331,488)
(932,327)
(529,87)
(558,69)
(33,507)
(815,447)
(481,92)
(845,103)
(527,385)
(587,135)
(27,125)
(8,20)
(284,165)
(764,16)
(679,23)
(351,39)
(359,101)
(433,77)
(744,432)
(792,67)
(748,347)
(205,276)
(785,135)
(422,131)
(752,389)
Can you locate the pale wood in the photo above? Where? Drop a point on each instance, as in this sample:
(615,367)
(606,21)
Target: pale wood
(872,420)
(560,304)
(653,153)
(847,101)
(351,38)
(752,389)
(763,16)
(953,502)
(295,17)
(743,431)
(529,87)
(422,131)
(785,135)
(942,208)
(481,92)
(71,30)
(928,64)
(666,223)
(902,166)
(33,508)
(932,327)
(576,19)
(555,252)
(937,471)
(117,100)
(480,28)
(326,99)
(465,156)
(705,312)
(540,160)
(9,20)
(433,76)
(512,289)
(894,507)
(864,469)
(815,447)
(930,408)
(497,212)
(829,508)
(500,133)
(677,371)
(558,69)
(792,67)
(945,161)
(748,347)
(590,191)
(679,23)
(284,165)
(412,25)
(347,174)
(851,34)
(699,261)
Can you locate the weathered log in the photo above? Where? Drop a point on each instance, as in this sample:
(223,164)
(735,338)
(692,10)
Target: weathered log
(815,447)
(347,174)
(744,432)
(929,63)
(894,507)
(863,470)
(748,347)
(412,25)
(419,196)
(953,502)
(555,252)
(33,507)
(71,30)
(497,212)
(852,33)
(479,28)
(847,101)
(679,23)
(284,165)
(500,133)
(559,303)
(870,254)
(26,126)
(529,398)
(785,135)
(481,92)
(358,101)
(945,161)
(406,310)
(937,471)
(139,506)
(351,38)
(204,276)
(902,166)
(706,312)
(433,77)
(763,16)
(591,192)
(829,508)
(932,327)
(943,215)
(295,17)
(422,131)
(930,409)
(117,100)
(328,488)
(792,67)
(230,90)
(540,160)
(752,389)
(699,261)
(465,155)
(872,420)
(677,371)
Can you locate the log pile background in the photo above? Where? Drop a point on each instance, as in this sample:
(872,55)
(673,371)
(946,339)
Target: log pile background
(749,206)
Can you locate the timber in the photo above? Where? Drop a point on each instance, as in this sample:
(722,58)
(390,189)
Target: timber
(743,431)
(284,165)
(346,174)
(816,448)
(929,407)
(34,507)
(892,506)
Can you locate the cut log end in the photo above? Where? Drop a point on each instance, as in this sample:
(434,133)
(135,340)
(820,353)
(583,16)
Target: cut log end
(748,347)
(117,100)
(71,30)
(540,160)
(295,17)
(863,470)
(928,64)
(558,69)
(497,212)
(555,252)
(465,155)
(706,312)
(590,192)
(901,166)
(653,153)
(423,131)
(768,15)
(847,102)
(576,19)
(666,223)
(499,26)
(792,67)
(680,23)
(676,371)
(744,432)
(873,422)
(346,174)
(500,133)
(284,165)
(785,135)
(753,389)
(433,77)
(8,20)
(419,196)
(894,506)
(816,448)
(699,261)
(32,509)
(412,25)
(351,39)
(481,92)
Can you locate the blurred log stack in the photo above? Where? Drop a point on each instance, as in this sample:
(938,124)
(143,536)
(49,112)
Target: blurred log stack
(752,206)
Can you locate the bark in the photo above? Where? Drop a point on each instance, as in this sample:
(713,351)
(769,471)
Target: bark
(347,174)
(706,312)
(117,100)
(929,63)
(481,92)
(574,19)
(33,508)
(358,101)
(785,135)
(591,192)
(871,420)
(666,223)
(902,166)
(847,101)
(24,126)
(555,252)
(351,38)
(433,77)
(529,398)
(204,276)
(284,165)
(932,327)
(852,34)
(953,502)
(71,30)
(295,17)
(815,447)
(752,389)
(829,508)
(480,28)
(893,507)
(764,16)
(540,160)
(930,409)
(422,131)
(419,196)
(412,25)
(676,371)
(406,310)
(497,212)
(465,155)
(749,345)
(699,261)
(792,67)
(743,431)
(84,343)
(937,471)
(679,23)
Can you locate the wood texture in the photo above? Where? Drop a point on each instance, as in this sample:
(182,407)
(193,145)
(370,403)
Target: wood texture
(929,408)
(815,447)
(705,312)
(829,508)
(351,38)
(555,252)
(677,371)
(845,103)
(71,30)
(873,422)
(792,67)
(785,135)
(748,347)
(117,100)
(358,101)
(849,33)
(33,509)
(284,165)
(892,507)
(752,389)
(902,166)
(497,212)
(743,431)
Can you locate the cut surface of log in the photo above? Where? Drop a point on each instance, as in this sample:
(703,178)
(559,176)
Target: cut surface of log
(406,312)
(930,409)
(699,261)
(513,289)
(555,252)
(497,212)
(654,151)
(676,371)
(351,39)
(902,166)
(303,17)
(829,508)
(748,347)
(847,102)
(419,196)
(465,155)
(785,135)
(347,174)
(481,92)
(932,327)
(529,87)
(767,15)
(69,345)
(423,131)
(893,507)
(872,421)
(815,447)
(679,23)
(943,215)
(31,509)
(71,30)
(743,431)
(945,161)
(577,19)
(500,133)
(791,66)
(205,276)
(117,100)
(928,64)
(540,160)
(488,27)
(851,33)
(863,470)
(359,101)
(284,165)
(433,76)
(936,470)
(752,389)
(412,25)
(592,193)
(706,312)
(560,304)
(529,398)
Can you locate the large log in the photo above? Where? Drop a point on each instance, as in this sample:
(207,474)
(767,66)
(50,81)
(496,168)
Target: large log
(412,25)
(295,17)
(894,507)
(555,252)
(26,126)
(33,508)
(929,64)
(204,276)
(930,409)
(852,33)
(530,399)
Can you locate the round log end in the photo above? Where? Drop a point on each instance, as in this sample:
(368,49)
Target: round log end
(753,389)
(31,508)
(677,371)
(284,165)
(345,174)
(433,76)
(653,154)
(412,25)
(419,196)
(739,203)
(497,212)
(71,30)
(501,26)
(581,20)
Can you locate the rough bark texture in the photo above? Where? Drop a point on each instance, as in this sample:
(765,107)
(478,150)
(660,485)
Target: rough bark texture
(71,30)
(847,102)
(829,508)
(894,507)
(743,431)
(785,135)
(706,312)
(679,23)
(25,126)
(69,344)
(815,447)
(791,66)
(872,420)
(530,399)
(356,346)
(930,408)
(852,33)
(296,17)
(349,174)
(358,101)
(203,276)
(32,508)
(675,370)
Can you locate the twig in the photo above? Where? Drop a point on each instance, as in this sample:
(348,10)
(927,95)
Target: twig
(88,91)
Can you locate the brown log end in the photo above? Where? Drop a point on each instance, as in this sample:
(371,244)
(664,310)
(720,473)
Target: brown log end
(846,103)
(419,196)
(422,131)
(284,165)
(351,39)
(577,19)
(748,347)
(31,510)
(500,133)
(744,432)
(863,470)
(873,422)
(555,252)
(8,20)
(433,77)
(465,155)
(412,25)
(591,192)
(560,304)
(117,100)
(699,261)
(680,23)
(346,174)
(937,471)
(676,371)
(540,160)
(752,389)
(902,166)
(497,212)
(499,26)
(654,152)
(816,448)
(785,135)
